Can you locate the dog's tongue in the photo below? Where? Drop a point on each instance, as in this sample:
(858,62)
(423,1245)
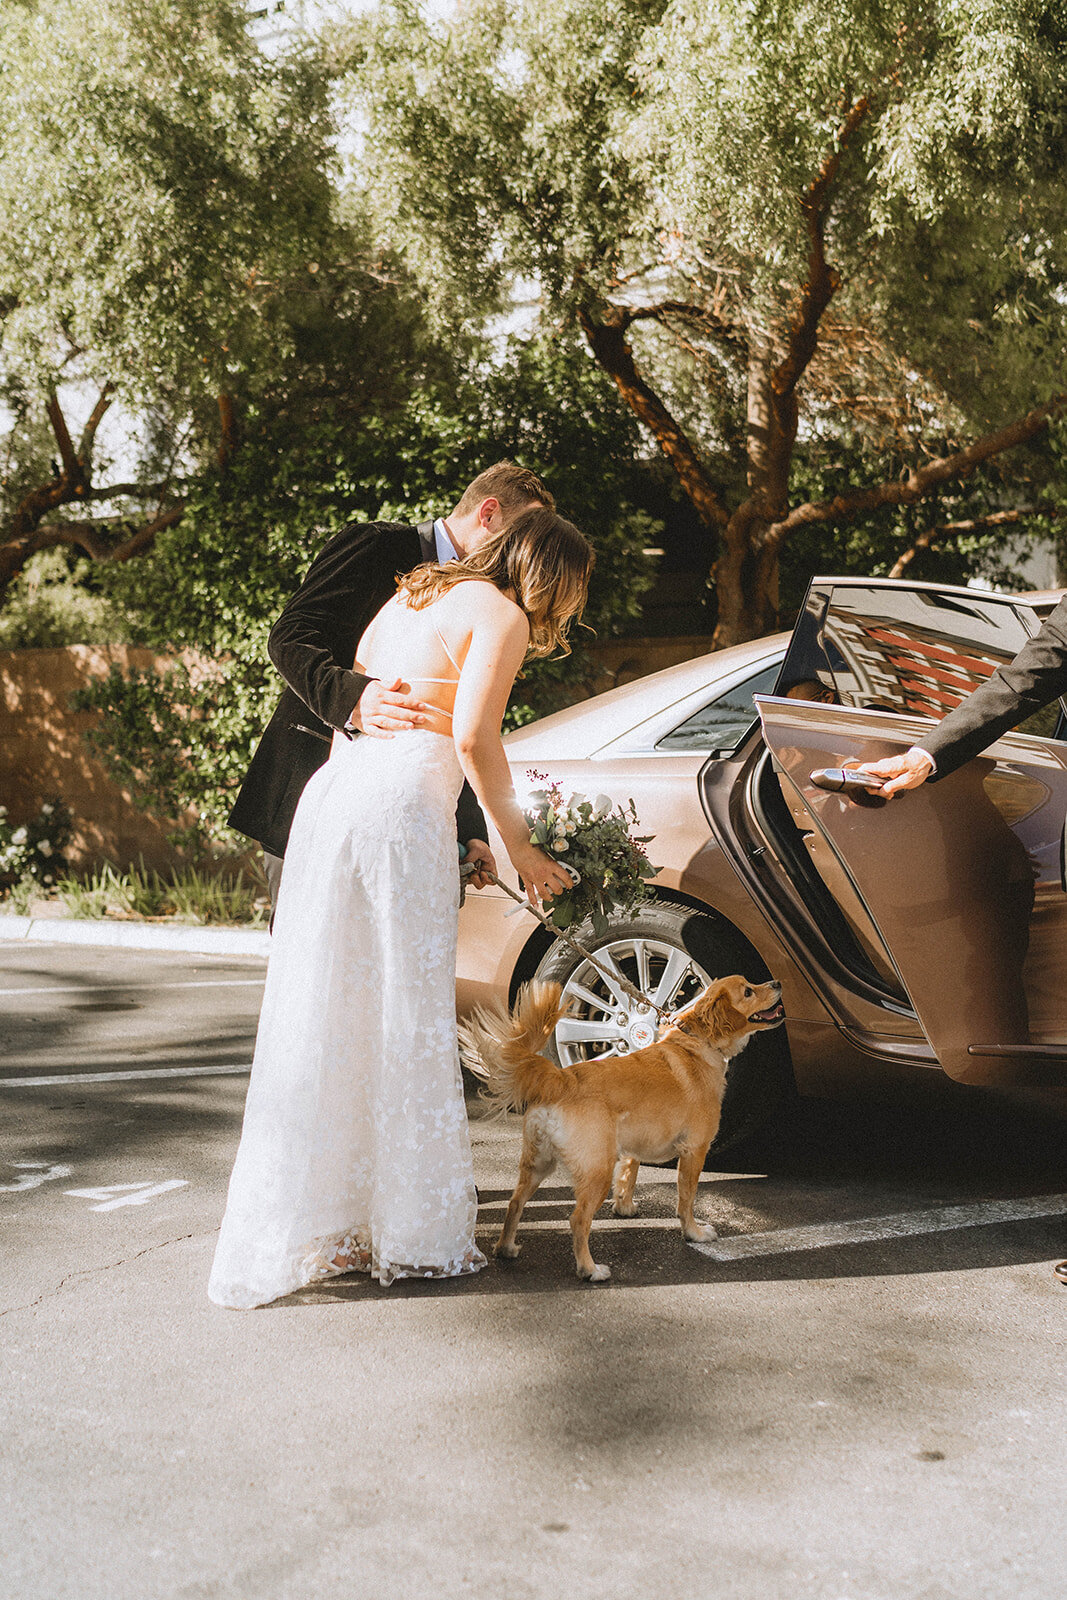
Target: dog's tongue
(772,1013)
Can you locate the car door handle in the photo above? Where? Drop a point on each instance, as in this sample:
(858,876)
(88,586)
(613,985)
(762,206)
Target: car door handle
(859,786)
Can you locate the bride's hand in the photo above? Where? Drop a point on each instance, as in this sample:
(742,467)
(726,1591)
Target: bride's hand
(542,877)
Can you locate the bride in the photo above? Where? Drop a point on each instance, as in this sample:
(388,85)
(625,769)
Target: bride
(355,1154)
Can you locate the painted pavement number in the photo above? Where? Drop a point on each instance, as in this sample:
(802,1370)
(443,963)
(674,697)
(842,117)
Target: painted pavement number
(31,1175)
(113,1195)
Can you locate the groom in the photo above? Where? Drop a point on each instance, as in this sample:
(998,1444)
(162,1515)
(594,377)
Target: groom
(313,645)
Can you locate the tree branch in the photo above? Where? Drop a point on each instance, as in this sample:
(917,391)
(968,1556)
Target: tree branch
(133,491)
(103,403)
(607,340)
(67,455)
(920,480)
(995,519)
(702,316)
(823,280)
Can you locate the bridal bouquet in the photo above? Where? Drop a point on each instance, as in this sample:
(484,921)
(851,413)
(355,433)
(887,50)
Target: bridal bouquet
(593,839)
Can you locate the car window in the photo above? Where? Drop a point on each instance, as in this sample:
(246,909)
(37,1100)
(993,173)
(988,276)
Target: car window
(912,651)
(1045,722)
(724,721)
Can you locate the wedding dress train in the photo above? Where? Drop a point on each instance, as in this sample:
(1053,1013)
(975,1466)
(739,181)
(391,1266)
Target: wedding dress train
(355,1153)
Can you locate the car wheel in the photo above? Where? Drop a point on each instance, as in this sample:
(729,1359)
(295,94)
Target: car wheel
(671,953)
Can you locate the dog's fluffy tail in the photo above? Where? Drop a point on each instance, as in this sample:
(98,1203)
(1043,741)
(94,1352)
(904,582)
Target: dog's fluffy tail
(502,1047)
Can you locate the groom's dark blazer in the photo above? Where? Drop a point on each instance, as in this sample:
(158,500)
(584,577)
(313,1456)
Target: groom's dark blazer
(1033,678)
(313,645)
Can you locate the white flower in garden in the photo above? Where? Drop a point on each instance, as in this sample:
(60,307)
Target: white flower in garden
(19,836)
(45,846)
(559,845)
(570,828)
(47,809)
(601,806)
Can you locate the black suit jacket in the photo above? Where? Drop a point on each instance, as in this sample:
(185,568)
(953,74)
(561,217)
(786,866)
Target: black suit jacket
(313,644)
(1036,676)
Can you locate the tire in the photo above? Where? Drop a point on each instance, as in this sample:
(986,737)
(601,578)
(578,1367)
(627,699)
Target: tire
(671,953)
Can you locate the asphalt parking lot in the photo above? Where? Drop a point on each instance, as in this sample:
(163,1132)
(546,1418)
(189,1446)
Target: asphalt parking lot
(856,1393)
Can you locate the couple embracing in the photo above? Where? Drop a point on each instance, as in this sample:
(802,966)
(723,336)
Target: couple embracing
(355,1154)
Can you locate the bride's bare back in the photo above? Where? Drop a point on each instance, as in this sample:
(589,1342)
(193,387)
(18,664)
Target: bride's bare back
(427,648)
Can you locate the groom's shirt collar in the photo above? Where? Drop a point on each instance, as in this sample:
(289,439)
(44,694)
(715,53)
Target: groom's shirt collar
(446,550)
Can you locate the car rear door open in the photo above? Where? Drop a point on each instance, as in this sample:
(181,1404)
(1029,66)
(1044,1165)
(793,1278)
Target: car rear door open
(960,880)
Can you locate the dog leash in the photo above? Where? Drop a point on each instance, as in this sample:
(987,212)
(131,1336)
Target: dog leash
(467,870)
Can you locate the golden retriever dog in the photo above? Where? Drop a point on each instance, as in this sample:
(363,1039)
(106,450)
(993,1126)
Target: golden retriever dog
(657,1104)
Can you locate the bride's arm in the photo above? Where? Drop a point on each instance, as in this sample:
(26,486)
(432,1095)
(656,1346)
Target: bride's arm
(499,637)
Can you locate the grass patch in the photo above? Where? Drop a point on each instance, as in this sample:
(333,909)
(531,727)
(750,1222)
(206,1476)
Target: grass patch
(184,895)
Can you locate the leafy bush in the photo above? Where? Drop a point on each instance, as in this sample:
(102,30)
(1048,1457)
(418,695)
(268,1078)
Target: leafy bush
(32,853)
(49,606)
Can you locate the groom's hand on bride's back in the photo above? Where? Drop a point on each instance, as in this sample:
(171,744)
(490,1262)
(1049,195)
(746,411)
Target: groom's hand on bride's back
(387,708)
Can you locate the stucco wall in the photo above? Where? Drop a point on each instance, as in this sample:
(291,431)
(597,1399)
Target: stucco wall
(42,753)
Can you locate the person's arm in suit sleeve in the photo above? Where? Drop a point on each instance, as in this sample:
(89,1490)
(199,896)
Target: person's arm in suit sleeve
(1033,678)
(301,642)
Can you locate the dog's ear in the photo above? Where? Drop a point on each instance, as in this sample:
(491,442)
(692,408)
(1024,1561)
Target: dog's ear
(723,1016)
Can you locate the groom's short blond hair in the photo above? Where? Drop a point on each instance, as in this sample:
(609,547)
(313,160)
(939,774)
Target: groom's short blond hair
(512,485)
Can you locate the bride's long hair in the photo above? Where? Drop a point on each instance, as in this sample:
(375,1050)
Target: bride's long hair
(539,559)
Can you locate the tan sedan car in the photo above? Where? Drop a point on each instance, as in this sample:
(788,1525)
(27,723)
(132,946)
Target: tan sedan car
(930,934)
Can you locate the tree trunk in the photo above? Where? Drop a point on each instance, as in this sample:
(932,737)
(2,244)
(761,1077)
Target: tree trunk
(746,581)
(746,571)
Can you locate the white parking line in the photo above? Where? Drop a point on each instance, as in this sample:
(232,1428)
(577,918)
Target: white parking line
(92,988)
(122,1077)
(869,1230)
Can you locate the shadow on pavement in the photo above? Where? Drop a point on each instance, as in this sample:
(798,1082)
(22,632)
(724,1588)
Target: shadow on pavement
(820,1162)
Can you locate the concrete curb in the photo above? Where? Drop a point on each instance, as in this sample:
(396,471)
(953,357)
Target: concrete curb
(136,935)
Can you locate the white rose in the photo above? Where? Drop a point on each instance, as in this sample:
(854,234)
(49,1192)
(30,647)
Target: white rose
(559,845)
(45,846)
(571,827)
(19,836)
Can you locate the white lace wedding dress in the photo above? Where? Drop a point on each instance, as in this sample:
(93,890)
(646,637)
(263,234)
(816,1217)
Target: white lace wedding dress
(355,1153)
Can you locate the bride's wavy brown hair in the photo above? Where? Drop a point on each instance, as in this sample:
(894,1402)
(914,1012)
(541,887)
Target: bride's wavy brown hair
(539,559)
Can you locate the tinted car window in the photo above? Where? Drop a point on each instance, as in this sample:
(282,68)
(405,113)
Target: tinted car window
(917,652)
(723,722)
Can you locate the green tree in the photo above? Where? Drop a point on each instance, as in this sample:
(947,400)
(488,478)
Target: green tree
(782,226)
(165,202)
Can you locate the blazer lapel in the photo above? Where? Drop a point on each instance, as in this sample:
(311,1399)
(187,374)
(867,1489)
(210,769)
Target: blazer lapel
(429,543)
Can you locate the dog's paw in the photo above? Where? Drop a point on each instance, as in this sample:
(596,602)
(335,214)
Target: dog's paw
(699,1233)
(507,1252)
(599,1274)
(622,1209)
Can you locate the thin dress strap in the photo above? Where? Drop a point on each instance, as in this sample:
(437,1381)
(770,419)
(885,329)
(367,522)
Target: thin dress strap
(447,652)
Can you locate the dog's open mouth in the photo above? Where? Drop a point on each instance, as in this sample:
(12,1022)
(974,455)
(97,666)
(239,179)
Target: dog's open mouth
(775,1013)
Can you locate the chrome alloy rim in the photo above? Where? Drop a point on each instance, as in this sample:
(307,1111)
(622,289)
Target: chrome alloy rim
(603,1019)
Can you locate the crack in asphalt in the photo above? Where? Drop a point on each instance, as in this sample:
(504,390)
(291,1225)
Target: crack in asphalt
(108,1266)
